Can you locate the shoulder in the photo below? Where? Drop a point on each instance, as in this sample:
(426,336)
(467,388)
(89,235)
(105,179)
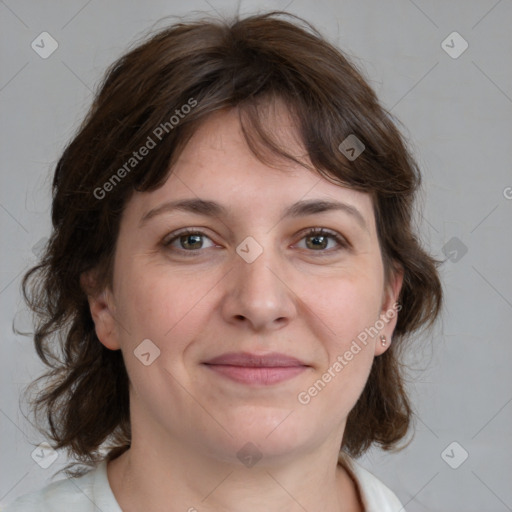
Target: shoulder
(376,496)
(86,493)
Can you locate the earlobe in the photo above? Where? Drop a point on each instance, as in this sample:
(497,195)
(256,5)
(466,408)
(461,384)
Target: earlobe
(389,312)
(102,308)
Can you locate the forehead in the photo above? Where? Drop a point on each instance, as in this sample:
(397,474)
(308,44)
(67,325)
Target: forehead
(217,164)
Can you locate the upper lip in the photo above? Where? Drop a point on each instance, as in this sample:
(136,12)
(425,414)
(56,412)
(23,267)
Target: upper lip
(247,359)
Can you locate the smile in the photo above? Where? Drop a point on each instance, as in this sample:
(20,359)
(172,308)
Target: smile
(252,369)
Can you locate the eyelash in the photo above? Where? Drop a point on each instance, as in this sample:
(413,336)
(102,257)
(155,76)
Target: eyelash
(313,232)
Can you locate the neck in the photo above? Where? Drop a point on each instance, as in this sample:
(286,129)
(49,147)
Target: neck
(180,479)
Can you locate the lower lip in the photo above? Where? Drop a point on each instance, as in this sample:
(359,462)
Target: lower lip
(257,375)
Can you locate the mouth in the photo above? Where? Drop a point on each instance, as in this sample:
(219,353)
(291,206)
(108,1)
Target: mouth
(257,370)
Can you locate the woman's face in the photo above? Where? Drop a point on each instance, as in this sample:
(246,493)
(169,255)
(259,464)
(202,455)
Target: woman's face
(192,312)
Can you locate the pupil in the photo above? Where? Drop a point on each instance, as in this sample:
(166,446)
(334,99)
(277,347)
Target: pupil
(318,241)
(191,240)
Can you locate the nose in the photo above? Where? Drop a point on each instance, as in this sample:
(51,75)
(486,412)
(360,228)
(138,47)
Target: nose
(259,295)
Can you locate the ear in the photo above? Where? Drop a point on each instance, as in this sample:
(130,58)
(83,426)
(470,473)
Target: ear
(389,309)
(102,307)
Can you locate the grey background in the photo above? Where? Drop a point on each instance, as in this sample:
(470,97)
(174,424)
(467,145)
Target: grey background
(458,118)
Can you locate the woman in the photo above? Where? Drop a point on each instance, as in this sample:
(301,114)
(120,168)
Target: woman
(232,275)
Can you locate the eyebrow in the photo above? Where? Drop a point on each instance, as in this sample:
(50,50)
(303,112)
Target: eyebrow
(214,209)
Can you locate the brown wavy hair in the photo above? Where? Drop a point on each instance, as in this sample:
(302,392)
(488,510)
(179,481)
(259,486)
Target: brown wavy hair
(219,64)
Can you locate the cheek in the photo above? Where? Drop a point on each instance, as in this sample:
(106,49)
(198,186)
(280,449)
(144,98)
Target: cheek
(347,305)
(169,309)
(347,309)
(163,306)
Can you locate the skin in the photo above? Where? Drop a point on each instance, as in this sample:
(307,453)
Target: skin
(188,423)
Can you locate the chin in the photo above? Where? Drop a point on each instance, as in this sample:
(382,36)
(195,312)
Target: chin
(267,439)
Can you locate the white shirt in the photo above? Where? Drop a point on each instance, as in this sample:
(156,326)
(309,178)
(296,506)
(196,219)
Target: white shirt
(91,492)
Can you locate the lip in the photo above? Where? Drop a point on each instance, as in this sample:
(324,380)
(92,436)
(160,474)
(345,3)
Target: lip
(256,369)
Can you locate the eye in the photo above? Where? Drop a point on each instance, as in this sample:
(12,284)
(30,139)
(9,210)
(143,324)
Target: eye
(322,240)
(188,241)
(318,240)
